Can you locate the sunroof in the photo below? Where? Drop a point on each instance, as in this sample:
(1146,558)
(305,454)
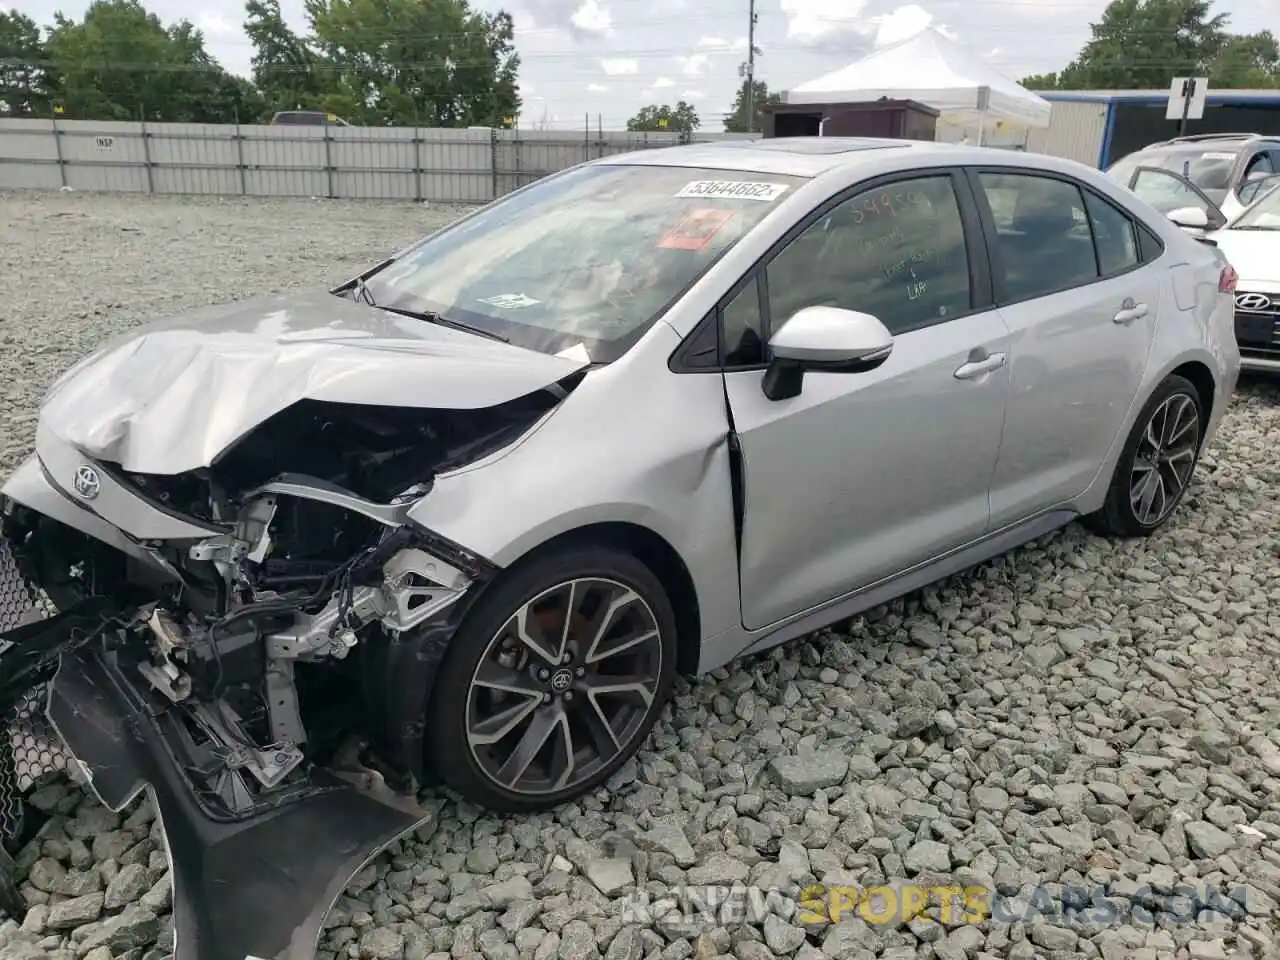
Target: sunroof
(821,145)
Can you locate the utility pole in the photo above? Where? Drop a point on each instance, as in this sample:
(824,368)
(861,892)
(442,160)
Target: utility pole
(751,64)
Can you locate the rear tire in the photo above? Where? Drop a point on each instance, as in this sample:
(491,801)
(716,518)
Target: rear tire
(539,665)
(1156,465)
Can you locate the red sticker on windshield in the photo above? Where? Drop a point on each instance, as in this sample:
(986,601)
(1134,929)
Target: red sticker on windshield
(695,230)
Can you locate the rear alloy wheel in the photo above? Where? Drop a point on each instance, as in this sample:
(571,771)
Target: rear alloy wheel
(553,682)
(1157,463)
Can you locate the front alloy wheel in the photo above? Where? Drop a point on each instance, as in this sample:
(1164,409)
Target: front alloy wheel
(553,681)
(564,686)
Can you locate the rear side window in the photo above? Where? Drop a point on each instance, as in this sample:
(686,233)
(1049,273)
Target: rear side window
(1113,235)
(1043,236)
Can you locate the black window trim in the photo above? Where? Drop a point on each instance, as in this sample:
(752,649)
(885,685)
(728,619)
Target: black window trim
(993,253)
(977,248)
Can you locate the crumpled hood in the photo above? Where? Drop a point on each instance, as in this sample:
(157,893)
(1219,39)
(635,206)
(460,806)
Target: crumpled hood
(171,396)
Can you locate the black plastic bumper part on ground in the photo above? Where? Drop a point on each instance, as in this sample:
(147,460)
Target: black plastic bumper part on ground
(254,888)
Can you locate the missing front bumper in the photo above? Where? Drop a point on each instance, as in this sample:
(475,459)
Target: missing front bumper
(257,887)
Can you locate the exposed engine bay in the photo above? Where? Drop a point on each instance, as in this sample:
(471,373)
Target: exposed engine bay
(263,667)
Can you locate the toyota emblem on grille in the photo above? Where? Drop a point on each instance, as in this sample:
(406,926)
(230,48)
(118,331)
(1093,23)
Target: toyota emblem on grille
(88,485)
(1253,302)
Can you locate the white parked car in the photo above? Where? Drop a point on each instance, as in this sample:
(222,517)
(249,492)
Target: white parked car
(1251,242)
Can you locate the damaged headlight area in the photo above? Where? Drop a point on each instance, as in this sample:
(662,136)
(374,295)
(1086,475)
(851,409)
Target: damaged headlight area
(268,682)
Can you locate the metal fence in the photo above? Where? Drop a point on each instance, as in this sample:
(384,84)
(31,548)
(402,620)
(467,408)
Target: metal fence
(392,163)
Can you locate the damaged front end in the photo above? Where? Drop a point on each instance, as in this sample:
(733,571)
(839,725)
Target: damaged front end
(252,642)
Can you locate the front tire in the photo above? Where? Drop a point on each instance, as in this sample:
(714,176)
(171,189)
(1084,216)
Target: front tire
(1157,463)
(553,680)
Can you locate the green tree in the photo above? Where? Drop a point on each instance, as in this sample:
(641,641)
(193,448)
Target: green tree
(431,62)
(287,72)
(23,83)
(1145,43)
(681,118)
(121,63)
(736,121)
(1040,81)
(1247,61)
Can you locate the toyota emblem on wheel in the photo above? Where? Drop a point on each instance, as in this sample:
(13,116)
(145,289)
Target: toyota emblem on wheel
(87,483)
(1253,302)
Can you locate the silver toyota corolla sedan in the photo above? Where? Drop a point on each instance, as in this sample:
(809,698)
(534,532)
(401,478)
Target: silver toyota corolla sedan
(468,515)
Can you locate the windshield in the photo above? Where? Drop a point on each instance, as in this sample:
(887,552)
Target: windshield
(1264,214)
(583,262)
(1208,168)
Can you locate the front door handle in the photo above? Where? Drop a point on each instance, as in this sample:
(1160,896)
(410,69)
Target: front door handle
(978,368)
(1130,311)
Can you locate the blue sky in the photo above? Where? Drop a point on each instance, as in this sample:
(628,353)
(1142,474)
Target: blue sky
(603,59)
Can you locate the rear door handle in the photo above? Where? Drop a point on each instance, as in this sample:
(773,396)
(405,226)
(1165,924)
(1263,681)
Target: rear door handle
(1130,311)
(977,368)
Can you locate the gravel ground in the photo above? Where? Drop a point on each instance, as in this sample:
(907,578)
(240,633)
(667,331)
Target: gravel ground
(1083,719)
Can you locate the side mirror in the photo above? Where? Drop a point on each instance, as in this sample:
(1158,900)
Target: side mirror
(827,339)
(1189,218)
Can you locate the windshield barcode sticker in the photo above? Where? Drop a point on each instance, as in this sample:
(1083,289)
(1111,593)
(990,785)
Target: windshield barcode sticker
(510,301)
(733,190)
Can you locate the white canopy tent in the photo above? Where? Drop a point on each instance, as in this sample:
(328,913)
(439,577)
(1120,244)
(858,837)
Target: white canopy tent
(932,69)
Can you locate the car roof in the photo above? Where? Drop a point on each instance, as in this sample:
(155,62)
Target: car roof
(788,156)
(810,157)
(1207,142)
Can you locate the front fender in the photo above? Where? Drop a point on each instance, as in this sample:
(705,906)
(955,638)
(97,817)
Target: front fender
(633,443)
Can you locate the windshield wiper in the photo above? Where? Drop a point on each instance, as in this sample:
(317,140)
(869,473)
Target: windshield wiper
(431,317)
(360,291)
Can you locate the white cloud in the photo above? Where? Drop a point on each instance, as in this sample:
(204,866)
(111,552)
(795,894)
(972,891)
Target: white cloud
(597,88)
(694,65)
(810,20)
(662,83)
(905,22)
(620,67)
(592,18)
(721,45)
(822,22)
(692,95)
(212,26)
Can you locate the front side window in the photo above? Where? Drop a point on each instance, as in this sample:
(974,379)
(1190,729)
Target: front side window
(896,252)
(584,261)
(1042,234)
